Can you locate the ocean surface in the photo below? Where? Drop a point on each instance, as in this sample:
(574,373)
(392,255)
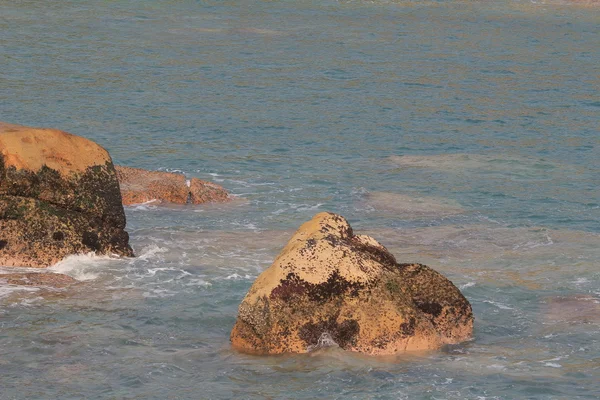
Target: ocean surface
(460,134)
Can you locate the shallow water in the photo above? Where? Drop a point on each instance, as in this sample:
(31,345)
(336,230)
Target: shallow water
(460,134)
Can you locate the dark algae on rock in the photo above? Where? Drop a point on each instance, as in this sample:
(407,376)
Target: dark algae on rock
(59,195)
(330,283)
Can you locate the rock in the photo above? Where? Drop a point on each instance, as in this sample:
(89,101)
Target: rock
(141,186)
(38,279)
(59,195)
(329,283)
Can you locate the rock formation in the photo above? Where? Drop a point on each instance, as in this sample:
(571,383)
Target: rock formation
(59,195)
(140,186)
(329,284)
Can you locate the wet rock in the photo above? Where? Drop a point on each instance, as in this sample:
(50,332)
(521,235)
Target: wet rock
(141,186)
(328,282)
(38,279)
(59,195)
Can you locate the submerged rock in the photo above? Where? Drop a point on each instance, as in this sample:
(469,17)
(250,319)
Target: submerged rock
(141,186)
(329,283)
(571,309)
(577,2)
(38,279)
(413,207)
(59,195)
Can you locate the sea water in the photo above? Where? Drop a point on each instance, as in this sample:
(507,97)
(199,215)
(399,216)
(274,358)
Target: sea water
(460,134)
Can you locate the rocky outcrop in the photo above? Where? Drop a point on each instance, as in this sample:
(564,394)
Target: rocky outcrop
(329,285)
(59,195)
(141,186)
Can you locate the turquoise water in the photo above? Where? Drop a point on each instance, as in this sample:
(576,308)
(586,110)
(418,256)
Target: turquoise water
(461,134)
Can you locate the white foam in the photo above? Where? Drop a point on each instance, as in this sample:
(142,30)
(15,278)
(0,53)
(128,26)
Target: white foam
(158,293)
(553,365)
(247,225)
(151,252)
(238,277)
(466,285)
(152,271)
(7,290)
(147,205)
(325,340)
(172,170)
(27,301)
(198,282)
(263,184)
(555,358)
(80,266)
(305,207)
(499,305)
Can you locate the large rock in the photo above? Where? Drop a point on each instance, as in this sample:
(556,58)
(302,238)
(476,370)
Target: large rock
(141,186)
(329,284)
(59,195)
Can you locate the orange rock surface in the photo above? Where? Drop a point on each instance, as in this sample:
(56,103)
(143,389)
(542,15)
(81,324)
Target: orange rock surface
(30,148)
(141,186)
(330,285)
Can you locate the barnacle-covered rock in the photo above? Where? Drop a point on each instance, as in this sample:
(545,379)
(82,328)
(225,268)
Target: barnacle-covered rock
(329,283)
(59,195)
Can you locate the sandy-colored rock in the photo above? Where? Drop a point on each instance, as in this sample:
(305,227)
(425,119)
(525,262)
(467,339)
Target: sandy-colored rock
(38,279)
(59,195)
(141,186)
(27,148)
(329,284)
